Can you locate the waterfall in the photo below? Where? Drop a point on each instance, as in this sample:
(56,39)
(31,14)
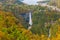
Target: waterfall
(49,33)
(30,20)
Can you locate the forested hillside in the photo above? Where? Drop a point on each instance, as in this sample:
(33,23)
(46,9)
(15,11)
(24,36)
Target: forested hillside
(14,23)
(12,29)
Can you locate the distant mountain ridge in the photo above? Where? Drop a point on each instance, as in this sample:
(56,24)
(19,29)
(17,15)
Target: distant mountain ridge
(9,5)
(10,2)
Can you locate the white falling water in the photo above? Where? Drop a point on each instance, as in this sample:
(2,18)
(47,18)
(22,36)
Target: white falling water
(49,33)
(30,20)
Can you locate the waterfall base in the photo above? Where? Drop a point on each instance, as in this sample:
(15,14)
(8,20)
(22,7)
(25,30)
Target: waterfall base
(29,27)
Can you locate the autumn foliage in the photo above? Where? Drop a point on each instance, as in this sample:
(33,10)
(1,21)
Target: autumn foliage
(12,29)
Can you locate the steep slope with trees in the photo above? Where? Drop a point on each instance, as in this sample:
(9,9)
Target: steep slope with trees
(12,29)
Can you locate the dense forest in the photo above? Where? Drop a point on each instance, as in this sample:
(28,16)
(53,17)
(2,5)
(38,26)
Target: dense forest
(46,22)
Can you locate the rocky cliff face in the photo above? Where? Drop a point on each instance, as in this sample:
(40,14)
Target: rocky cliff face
(55,3)
(58,3)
